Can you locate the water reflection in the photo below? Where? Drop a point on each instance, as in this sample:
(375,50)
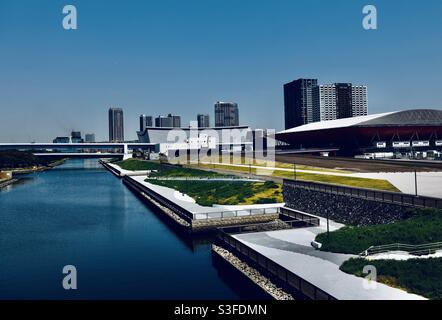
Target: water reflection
(81,214)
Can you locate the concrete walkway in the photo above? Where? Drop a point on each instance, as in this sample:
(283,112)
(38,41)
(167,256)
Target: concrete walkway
(292,250)
(428,183)
(122,172)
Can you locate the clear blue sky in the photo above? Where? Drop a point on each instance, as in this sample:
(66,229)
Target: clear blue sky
(181,56)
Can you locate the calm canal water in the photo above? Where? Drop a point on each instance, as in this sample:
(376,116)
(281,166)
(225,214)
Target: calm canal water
(79,214)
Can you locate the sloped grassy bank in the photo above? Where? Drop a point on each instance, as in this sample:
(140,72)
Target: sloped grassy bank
(207,191)
(419,276)
(422,226)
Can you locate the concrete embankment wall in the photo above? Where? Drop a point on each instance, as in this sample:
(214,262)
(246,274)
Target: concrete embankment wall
(158,199)
(110,168)
(277,274)
(355,206)
(5,183)
(7,178)
(181,215)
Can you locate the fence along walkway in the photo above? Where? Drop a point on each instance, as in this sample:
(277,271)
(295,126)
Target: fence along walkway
(417,250)
(369,194)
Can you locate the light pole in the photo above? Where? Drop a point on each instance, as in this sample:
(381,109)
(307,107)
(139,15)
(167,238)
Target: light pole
(328,226)
(415,181)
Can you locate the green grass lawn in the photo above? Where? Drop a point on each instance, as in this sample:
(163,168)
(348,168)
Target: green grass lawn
(262,162)
(419,276)
(3,176)
(342,180)
(207,193)
(377,184)
(178,171)
(164,170)
(423,226)
(138,165)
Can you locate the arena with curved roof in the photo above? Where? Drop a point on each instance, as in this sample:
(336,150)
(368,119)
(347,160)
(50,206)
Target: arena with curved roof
(418,129)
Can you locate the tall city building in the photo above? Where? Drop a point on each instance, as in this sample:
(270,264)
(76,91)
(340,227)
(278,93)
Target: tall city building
(324,102)
(170,121)
(298,102)
(360,100)
(163,122)
(76,137)
(176,120)
(116,125)
(145,122)
(226,114)
(338,101)
(203,121)
(343,100)
(89,138)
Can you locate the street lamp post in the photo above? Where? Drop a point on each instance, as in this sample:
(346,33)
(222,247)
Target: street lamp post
(415,181)
(328,226)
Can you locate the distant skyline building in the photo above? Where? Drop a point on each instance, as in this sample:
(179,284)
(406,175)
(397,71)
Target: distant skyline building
(62,140)
(359,101)
(343,100)
(163,122)
(203,120)
(76,137)
(298,102)
(145,122)
(116,125)
(338,101)
(226,114)
(324,102)
(169,121)
(89,137)
(176,120)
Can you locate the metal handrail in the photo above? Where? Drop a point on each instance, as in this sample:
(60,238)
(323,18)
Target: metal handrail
(270,267)
(224,213)
(409,248)
(370,194)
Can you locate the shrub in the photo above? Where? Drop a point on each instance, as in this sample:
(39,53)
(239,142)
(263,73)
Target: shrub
(424,226)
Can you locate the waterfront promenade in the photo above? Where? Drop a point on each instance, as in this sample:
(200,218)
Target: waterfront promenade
(292,250)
